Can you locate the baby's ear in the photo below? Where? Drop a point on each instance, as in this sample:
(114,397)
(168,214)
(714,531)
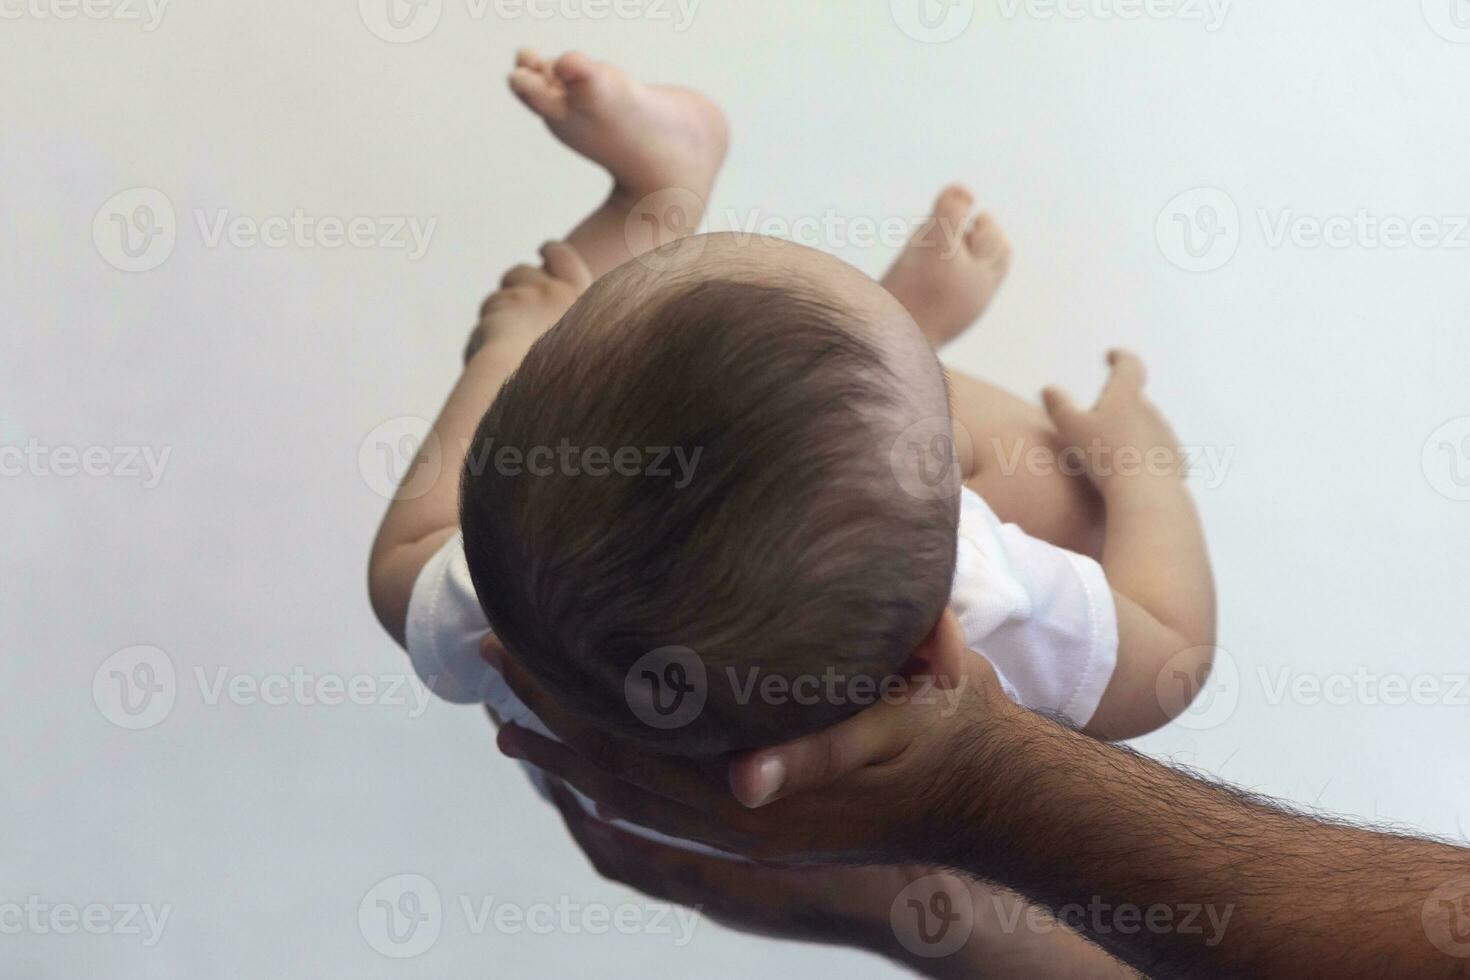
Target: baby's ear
(942,653)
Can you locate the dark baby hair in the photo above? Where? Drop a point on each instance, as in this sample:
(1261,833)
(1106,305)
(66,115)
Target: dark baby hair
(771,539)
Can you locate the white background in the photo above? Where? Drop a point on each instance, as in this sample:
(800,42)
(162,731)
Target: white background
(1324,370)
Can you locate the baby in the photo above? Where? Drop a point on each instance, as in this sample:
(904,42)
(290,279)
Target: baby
(721,494)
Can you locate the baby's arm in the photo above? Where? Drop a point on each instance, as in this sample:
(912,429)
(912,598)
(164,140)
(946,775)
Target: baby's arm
(425,511)
(1153,550)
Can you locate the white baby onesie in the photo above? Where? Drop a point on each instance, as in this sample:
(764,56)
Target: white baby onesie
(1042,615)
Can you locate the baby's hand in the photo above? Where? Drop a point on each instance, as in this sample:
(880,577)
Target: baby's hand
(530,301)
(1124,435)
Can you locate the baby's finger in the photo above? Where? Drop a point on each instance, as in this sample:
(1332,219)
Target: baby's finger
(1128,371)
(521,275)
(1060,407)
(867,738)
(565,263)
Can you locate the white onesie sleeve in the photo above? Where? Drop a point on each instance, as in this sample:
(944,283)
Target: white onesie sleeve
(1044,616)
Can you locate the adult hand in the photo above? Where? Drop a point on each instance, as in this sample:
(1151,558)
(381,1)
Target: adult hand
(884,772)
(938,923)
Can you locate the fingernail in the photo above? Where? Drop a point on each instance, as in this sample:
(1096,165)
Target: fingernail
(490,653)
(770,775)
(508,743)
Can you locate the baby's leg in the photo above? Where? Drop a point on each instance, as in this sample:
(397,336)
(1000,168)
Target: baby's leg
(951,269)
(652,139)
(945,279)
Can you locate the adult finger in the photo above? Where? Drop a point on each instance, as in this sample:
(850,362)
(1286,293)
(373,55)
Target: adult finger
(616,798)
(872,736)
(656,870)
(677,778)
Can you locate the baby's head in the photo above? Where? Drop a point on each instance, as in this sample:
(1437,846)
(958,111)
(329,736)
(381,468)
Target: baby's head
(705,454)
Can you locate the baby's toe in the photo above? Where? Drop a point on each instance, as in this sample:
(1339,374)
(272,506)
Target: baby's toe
(540,94)
(985,240)
(953,204)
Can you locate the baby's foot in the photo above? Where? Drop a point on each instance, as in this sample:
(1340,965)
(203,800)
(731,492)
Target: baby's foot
(948,273)
(649,137)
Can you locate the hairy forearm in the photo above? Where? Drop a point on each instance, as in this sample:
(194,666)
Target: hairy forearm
(1181,877)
